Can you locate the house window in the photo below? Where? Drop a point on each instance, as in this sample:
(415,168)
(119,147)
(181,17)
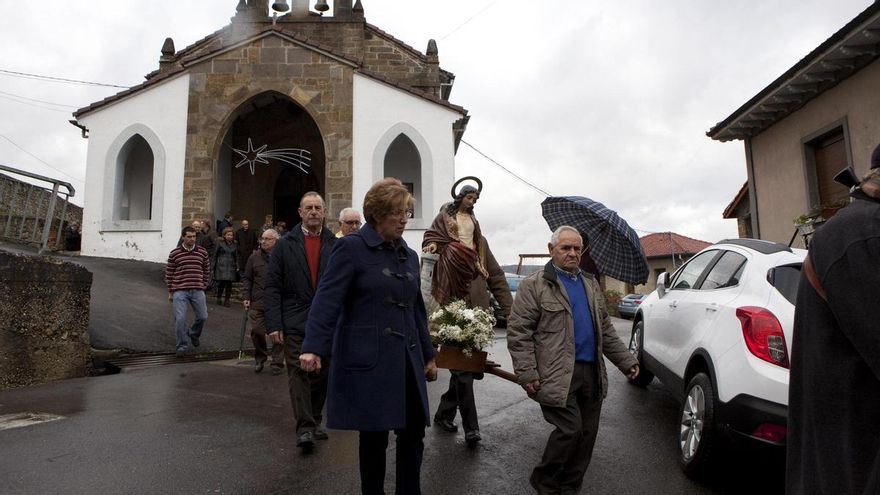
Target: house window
(828,155)
(134,165)
(402,161)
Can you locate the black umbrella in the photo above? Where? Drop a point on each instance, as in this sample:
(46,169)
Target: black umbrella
(614,245)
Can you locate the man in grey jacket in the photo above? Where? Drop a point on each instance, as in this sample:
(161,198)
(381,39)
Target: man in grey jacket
(557,333)
(253,285)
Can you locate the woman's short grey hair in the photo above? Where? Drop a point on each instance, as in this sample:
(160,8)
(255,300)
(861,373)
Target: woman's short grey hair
(554,239)
(272,233)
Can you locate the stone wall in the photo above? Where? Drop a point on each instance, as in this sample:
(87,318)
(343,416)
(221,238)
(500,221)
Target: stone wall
(221,87)
(44,310)
(27,205)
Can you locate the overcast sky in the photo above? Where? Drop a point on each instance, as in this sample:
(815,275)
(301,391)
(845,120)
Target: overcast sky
(609,100)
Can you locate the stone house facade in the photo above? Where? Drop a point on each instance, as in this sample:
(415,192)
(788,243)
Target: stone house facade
(250,117)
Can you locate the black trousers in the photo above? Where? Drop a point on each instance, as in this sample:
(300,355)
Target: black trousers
(570,446)
(224,286)
(308,391)
(460,396)
(410,447)
(261,346)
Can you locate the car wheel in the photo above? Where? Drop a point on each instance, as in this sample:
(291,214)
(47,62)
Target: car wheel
(698,435)
(636,340)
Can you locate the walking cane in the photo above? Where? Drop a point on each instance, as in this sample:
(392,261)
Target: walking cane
(244,322)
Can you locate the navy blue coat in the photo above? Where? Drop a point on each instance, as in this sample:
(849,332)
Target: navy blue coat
(288,292)
(369,316)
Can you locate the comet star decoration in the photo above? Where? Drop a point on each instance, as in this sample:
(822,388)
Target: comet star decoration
(296,157)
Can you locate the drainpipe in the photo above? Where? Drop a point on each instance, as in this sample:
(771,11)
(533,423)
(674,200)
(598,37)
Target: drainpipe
(753,196)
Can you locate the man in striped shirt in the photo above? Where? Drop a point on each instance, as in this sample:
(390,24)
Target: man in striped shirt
(186,275)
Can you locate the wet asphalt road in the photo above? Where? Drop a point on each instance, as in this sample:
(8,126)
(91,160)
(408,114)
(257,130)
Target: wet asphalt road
(219,428)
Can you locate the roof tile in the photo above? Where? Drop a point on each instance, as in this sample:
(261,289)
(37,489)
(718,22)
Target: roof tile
(669,243)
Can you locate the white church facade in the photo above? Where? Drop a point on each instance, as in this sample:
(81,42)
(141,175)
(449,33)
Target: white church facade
(252,116)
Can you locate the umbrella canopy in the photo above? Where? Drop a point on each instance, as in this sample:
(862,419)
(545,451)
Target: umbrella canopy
(614,245)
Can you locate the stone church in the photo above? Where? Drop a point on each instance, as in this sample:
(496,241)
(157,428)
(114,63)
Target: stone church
(281,101)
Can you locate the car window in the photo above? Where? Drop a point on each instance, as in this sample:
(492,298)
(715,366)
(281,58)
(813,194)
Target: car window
(726,272)
(786,279)
(689,274)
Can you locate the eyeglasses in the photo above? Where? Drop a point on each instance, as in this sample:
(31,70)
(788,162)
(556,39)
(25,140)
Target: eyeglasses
(401,214)
(352,223)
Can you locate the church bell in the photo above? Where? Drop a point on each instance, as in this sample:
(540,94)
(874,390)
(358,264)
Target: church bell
(280,6)
(322,6)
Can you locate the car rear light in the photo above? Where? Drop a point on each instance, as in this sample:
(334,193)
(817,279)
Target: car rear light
(763,335)
(637,301)
(770,432)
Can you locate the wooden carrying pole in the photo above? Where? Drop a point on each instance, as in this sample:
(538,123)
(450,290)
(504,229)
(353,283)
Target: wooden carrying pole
(494,368)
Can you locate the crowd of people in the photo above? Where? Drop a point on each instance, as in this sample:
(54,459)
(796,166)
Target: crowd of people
(344,313)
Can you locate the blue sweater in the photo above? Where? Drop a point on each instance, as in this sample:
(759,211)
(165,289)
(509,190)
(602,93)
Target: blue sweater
(584,336)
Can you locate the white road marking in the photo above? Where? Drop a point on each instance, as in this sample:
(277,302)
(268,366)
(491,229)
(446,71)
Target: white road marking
(18,420)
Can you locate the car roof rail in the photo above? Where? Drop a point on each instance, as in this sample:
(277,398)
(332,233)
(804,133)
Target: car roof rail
(761,246)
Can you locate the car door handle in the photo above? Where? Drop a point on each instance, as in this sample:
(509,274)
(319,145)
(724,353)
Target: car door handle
(712,307)
(673,304)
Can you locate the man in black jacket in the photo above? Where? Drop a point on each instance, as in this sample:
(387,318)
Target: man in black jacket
(246,238)
(295,267)
(834,392)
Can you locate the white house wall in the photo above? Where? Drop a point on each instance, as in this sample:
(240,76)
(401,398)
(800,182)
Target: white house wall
(160,112)
(381,113)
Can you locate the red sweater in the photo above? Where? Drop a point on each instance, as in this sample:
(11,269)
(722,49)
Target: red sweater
(187,269)
(313,255)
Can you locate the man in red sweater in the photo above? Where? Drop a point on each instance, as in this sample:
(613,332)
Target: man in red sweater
(186,275)
(295,268)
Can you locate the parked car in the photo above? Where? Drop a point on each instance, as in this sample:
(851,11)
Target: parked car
(717,333)
(628,305)
(513,281)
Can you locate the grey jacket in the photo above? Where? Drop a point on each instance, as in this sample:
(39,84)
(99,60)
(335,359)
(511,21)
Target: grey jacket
(540,336)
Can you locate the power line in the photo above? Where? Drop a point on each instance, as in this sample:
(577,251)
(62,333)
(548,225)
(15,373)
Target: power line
(38,101)
(40,159)
(35,105)
(26,75)
(469,20)
(545,193)
(502,167)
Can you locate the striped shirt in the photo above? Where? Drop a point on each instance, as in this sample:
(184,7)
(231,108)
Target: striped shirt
(187,269)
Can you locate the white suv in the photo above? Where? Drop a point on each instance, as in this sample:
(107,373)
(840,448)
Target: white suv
(717,334)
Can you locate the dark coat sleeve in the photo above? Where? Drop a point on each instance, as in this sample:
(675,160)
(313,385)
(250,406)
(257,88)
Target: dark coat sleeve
(854,297)
(274,286)
(327,305)
(247,282)
(497,281)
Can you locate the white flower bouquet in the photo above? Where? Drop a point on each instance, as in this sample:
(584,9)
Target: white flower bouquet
(456,325)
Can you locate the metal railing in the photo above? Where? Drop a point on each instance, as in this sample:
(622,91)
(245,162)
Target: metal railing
(24,203)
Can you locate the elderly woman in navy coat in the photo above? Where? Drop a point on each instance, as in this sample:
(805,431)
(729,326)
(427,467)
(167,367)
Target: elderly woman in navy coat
(369,315)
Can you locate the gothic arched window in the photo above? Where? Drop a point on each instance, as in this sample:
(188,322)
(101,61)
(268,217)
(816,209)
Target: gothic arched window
(403,161)
(134,176)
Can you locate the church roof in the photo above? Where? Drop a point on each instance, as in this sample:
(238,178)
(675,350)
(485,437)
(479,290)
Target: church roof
(218,42)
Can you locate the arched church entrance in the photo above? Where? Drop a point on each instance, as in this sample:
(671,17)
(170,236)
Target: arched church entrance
(271,155)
